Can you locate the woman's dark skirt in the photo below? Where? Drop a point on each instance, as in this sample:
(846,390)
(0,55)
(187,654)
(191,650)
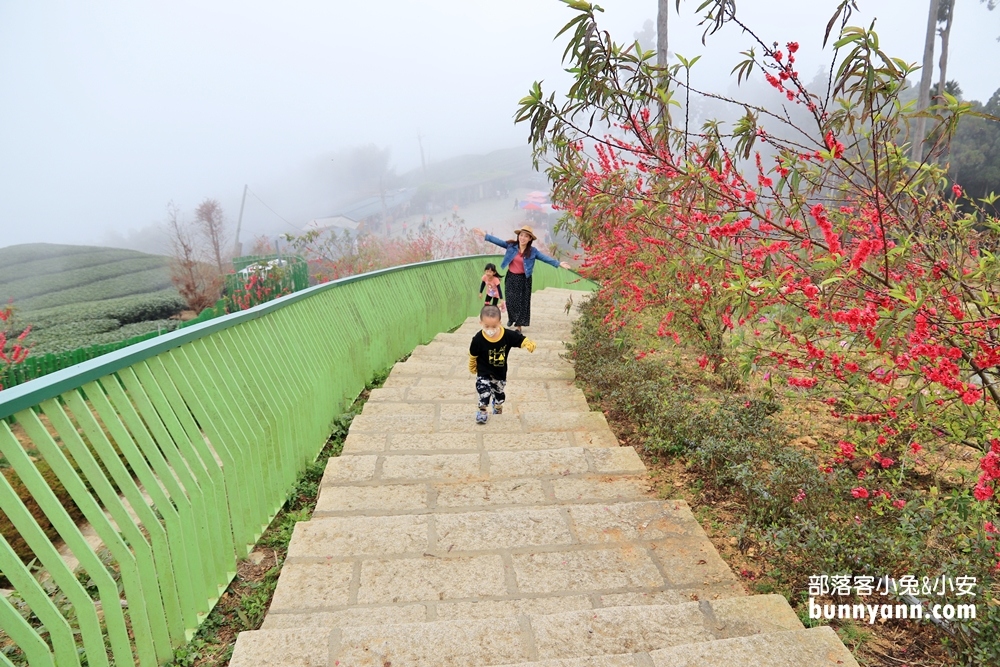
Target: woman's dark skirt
(517,288)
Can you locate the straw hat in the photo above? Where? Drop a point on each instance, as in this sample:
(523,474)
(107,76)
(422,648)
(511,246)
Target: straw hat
(528,229)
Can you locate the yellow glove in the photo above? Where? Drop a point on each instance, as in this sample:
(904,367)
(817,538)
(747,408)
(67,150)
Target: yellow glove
(472,364)
(528,345)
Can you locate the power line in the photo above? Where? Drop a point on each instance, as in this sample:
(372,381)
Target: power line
(280,217)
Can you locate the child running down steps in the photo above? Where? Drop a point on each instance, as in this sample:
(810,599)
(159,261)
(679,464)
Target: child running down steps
(488,354)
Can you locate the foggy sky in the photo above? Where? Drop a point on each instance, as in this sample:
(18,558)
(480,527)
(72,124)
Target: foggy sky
(110,110)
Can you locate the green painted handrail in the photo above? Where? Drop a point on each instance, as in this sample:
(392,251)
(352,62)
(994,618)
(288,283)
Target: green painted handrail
(179,450)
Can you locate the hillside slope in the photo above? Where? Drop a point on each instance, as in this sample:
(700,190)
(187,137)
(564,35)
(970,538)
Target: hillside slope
(74,296)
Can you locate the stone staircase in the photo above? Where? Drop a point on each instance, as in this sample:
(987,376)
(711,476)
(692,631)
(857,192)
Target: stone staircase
(532,540)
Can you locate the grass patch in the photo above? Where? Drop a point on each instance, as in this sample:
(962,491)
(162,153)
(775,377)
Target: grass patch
(244,604)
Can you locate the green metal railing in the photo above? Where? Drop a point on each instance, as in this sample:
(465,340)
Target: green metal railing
(179,451)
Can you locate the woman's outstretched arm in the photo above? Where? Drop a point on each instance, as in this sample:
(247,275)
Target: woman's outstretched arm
(489,237)
(550,260)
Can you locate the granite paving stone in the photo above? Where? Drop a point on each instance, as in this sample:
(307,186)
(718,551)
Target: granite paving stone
(537,463)
(431,466)
(381,615)
(304,586)
(497,492)
(341,469)
(432,441)
(627,567)
(462,643)
(383,498)
(499,529)
(431,578)
(352,536)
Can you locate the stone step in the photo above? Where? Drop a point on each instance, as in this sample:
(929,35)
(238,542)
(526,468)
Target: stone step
(390,468)
(525,422)
(524,390)
(517,359)
(458,367)
(460,351)
(412,388)
(469,441)
(517,639)
(460,416)
(442,497)
(494,529)
(543,317)
(815,647)
(383,614)
(542,339)
(439,347)
(467,405)
(622,553)
(548,319)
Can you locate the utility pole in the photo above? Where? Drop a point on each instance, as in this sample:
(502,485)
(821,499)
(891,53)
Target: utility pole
(238,249)
(945,32)
(661,47)
(423,163)
(926,76)
(661,32)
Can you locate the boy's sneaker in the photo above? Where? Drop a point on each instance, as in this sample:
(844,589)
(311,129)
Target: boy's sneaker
(498,409)
(481,416)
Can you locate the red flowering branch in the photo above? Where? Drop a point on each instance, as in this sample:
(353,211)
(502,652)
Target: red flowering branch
(14,348)
(802,243)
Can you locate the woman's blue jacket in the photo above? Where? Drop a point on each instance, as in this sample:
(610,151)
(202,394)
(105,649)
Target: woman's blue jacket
(529,261)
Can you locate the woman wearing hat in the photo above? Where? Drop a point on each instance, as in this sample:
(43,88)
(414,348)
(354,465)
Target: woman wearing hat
(519,260)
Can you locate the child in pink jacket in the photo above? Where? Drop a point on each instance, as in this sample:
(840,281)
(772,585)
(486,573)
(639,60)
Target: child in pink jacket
(491,284)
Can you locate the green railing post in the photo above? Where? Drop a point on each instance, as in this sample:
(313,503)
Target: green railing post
(60,634)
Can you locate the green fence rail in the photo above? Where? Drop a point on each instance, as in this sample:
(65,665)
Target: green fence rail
(180,450)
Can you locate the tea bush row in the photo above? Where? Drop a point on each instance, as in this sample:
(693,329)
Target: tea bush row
(140,282)
(20,256)
(84,333)
(30,285)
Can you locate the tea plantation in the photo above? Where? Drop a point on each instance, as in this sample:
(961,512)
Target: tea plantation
(76,296)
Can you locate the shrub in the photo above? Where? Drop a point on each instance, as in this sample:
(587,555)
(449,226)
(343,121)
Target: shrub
(797,511)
